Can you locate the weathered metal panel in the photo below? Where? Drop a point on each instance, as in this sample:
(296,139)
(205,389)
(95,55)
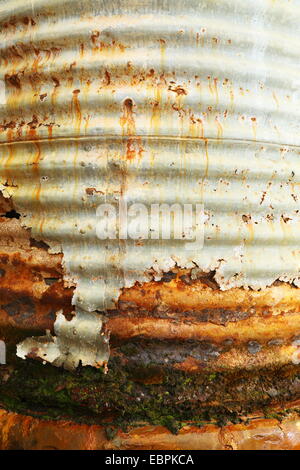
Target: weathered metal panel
(151,102)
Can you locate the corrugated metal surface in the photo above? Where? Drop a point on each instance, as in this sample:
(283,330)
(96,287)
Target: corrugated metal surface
(150,101)
(251,237)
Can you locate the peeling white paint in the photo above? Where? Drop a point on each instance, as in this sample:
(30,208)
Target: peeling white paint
(80,340)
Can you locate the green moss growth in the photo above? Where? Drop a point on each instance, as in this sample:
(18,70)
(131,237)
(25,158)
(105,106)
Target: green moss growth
(134,395)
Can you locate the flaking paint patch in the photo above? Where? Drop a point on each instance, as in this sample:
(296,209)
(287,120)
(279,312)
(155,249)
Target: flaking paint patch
(79,340)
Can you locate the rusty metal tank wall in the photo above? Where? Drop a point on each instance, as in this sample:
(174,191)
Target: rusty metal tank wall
(153,101)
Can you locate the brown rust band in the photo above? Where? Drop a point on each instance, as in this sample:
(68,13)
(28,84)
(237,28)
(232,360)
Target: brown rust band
(24,432)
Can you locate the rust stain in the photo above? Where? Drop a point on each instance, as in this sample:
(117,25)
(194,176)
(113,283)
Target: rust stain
(254,127)
(162,44)
(179,90)
(81,50)
(216,90)
(10,151)
(50,132)
(156,110)
(13,80)
(94,36)
(134,148)
(127,121)
(35,166)
(219,128)
(55,90)
(107,78)
(77,109)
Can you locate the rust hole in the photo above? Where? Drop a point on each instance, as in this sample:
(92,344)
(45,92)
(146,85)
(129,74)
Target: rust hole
(12,214)
(51,280)
(38,244)
(128,104)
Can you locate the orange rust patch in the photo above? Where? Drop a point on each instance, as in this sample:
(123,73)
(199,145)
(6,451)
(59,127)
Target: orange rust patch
(179,90)
(183,294)
(31,285)
(92,191)
(134,148)
(250,329)
(28,433)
